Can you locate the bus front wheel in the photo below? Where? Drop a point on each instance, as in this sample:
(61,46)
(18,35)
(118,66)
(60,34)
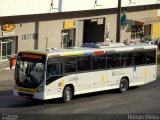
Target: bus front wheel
(67,94)
(123,87)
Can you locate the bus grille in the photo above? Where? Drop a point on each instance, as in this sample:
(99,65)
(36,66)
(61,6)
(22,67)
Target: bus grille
(25,94)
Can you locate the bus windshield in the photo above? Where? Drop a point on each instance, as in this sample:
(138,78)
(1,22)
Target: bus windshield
(29,73)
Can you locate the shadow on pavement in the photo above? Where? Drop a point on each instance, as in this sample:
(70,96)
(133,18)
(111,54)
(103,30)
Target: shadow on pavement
(23,102)
(6,92)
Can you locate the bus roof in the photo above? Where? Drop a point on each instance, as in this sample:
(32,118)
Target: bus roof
(93,49)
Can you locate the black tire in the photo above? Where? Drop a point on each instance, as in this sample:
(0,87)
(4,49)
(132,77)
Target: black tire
(67,94)
(124,85)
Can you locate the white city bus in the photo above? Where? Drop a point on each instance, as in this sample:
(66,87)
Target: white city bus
(90,68)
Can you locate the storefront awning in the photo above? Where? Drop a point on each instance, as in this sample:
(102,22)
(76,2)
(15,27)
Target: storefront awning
(147,20)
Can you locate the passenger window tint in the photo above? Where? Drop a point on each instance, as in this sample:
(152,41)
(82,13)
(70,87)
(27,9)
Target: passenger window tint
(99,62)
(70,64)
(83,63)
(150,57)
(126,59)
(139,58)
(113,60)
(54,69)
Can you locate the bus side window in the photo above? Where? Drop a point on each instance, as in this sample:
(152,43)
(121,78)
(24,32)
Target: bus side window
(54,69)
(83,63)
(123,59)
(70,64)
(99,62)
(126,59)
(113,60)
(139,58)
(150,56)
(117,59)
(109,61)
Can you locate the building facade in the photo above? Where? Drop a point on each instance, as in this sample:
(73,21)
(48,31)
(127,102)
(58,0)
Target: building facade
(73,28)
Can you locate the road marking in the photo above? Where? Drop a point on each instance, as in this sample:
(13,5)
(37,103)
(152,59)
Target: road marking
(105,106)
(125,103)
(80,110)
(147,99)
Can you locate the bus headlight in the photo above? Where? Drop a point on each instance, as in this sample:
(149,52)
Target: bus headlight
(40,89)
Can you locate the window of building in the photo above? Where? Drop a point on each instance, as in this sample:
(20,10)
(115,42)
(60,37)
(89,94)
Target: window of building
(139,58)
(24,37)
(29,37)
(150,57)
(113,60)
(83,63)
(126,59)
(70,64)
(99,62)
(136,31)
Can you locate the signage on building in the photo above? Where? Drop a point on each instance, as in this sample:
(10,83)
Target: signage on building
(158,13)
(68,24)
(100,21)
(8,29)
(8,33)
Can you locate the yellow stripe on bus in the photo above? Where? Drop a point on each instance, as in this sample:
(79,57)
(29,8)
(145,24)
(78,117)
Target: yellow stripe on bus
(72,54)
(30,90)
(62,83)
(102,77)
(145,72)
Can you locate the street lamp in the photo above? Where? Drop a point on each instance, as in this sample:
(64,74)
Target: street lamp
(118,32)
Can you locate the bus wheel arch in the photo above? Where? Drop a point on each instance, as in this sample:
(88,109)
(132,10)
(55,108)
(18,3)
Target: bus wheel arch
(68,93)
(124,84)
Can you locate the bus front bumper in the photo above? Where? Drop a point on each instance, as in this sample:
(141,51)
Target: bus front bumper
(36,95)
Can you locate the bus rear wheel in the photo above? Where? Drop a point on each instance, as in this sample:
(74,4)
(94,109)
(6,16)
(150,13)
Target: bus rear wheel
(67,94)
(124,85)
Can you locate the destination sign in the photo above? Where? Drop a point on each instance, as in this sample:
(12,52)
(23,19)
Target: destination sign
(32,56)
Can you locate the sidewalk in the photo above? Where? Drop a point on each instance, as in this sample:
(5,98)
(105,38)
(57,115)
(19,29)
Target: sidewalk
(6,74)
(6,79)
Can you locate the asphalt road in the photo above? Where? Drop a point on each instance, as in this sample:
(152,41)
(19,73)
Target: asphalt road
(107,104)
